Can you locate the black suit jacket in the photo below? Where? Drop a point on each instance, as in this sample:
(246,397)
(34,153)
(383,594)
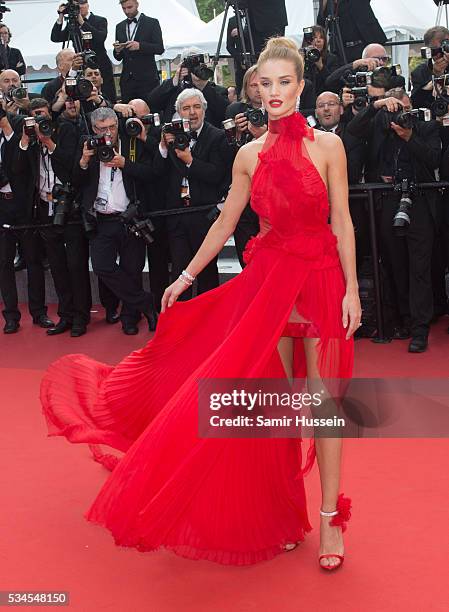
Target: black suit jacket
(206,173)
(13,60)
(363,21)
(267,14)
(99,28)
(424,148)
(140,65)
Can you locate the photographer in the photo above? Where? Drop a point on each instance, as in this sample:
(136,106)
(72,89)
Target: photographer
(234,48)
(404,151)
(111,183)
(46,158)
(138,39)
(13,211)
(374,58)
(318,68)
(87,104)
(196,165)
(98,26)
(358,25)
(10,57)
(246,131)
(64,61)
(15,96)
(421,77)
(163,98)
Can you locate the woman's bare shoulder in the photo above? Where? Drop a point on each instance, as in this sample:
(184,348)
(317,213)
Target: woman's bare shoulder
(248,154)
(328,141)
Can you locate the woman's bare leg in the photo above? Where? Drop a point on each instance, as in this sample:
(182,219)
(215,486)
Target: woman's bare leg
(328,451)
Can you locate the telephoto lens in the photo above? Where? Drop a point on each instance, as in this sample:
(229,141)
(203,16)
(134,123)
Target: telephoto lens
(45,125)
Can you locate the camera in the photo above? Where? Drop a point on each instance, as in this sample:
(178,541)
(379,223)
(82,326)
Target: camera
(359,79)
(89,57)
(197,65)
(142,228)
(29,124)
(180,128)
(361,98)
(409,119)
(429,53)
(103,147)
(62,197)
(230,129)
(401,220)
(19,93)
(133,127)
(71,10)
(78,88)
(44,124)
(255,116)
(312,55)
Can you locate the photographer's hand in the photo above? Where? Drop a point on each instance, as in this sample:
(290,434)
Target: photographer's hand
(124,109)
(133,45)
(25,140)
(347,97)
(86,156)
(60,12)
(369,62)
(393,105)
(241,123)
(181,73)
(440,64)
(403,133)
(118,161)
(257,132)
(199,83)
(166,139)
(77,62)
(185,156)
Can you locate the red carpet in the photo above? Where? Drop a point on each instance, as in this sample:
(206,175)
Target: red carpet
(397,541)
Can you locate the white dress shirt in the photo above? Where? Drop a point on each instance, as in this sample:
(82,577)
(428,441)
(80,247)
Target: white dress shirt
(6,188)
(111,195)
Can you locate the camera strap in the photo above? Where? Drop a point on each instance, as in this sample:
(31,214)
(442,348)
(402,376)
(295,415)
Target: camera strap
(133,149)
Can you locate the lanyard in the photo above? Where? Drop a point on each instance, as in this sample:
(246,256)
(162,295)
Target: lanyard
(128,27)
(46,162)
(133,150)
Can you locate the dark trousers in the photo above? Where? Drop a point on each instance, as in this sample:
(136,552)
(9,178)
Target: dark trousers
(186,233)
(247,227)
(360,221)
(68,255)
(31,245)
(260,38)
(408,261)
(158,260)
(124,280)
(131,89)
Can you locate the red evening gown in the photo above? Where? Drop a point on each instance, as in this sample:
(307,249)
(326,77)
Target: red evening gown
(233,501)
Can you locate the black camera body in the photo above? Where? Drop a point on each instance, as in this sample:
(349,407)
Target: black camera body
(409,119)
(78,88)
(141,228)
(44,124)
(103,146)
(431,53)
(71,10)
(89,56)
(62,197)
(255,116)
(197,65)
(180,128)
(133,127)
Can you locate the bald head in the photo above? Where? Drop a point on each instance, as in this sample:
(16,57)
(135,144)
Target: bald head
(9,79)
(375,51)
(140,107)
(328,110)
(64,60)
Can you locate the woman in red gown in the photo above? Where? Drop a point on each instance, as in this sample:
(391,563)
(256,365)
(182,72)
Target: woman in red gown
(291,313)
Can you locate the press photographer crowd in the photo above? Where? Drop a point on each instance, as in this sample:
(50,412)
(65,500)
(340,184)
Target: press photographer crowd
(121,175)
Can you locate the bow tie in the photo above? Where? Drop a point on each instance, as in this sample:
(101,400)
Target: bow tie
(193,135)
(134,20)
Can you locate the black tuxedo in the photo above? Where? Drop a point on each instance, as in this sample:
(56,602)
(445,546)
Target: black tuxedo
(99,28)
(408,259)
(12,58)
(139,70)
(267,18)
(358,24)
(186,232)
(123,280)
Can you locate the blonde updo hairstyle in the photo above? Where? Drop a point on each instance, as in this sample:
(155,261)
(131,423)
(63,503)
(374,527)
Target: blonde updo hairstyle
(281,48)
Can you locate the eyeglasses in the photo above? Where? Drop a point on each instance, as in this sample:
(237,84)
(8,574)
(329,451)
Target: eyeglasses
(321,105)
(106,128)
(382,58)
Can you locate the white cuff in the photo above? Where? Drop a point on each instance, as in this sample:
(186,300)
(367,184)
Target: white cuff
(163,152)
(22,147)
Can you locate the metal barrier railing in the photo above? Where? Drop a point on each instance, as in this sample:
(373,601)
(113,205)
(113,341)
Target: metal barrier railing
(366,191)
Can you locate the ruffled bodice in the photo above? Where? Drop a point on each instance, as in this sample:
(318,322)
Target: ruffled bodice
(290,196)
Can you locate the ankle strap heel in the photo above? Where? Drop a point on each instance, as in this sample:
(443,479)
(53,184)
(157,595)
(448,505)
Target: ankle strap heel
(342,514)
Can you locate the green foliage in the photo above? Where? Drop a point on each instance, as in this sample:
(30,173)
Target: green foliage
(206,8)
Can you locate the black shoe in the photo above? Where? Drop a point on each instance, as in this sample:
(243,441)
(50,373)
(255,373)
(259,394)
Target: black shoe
(19,264)
(418,344)
(60,328)
(11,327)
(112,317)
(43,321)
(401,333)
(45,265)
(78,329)
(151,316)
(130,330)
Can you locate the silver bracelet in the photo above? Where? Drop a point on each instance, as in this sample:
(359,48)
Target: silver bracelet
(188,276)
(185,280)
(334,513)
